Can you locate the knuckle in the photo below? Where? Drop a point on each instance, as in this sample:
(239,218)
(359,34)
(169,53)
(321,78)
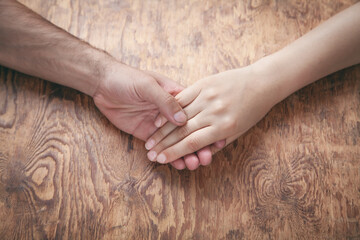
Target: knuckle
(229,124)
(170,154)
(183,131)
(211,94)
(159,147)
(170,100)
(193,144)
(159,135)
(219,106)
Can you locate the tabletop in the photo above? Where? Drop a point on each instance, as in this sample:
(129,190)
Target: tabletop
(67,173)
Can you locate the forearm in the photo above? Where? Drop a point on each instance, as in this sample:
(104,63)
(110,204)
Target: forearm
(31,44)
(331,46)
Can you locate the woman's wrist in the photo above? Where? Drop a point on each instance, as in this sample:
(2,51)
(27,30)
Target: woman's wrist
(279,76)
(268,80)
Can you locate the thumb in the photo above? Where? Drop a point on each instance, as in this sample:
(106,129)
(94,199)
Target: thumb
(166,103)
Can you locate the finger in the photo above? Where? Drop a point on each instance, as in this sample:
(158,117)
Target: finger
(166,83)
(192,143)
(159,135)
(205,156)
(220,144)
(160,121)
(179,164)
(169,86)
(191,161)
(191,111)
(183,97)
(163,139)
(214,149)
(217,146)
(166,103)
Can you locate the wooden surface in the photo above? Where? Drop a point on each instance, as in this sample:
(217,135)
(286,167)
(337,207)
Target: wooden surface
(67,173)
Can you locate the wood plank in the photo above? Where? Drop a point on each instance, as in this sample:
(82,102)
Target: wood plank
(66,172)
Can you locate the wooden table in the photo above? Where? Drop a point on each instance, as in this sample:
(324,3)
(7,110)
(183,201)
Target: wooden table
(67,173)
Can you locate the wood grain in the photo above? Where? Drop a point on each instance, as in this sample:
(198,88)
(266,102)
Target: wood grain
(67,173)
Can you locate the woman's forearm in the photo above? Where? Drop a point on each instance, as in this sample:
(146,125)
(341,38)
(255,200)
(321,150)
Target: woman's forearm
(31,44)
(217,111)
(333,45)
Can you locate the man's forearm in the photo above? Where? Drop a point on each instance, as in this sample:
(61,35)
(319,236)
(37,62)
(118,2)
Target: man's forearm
(332,46)
(31,44)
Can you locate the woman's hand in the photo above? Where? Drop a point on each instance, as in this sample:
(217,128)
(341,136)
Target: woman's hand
(222,106)
(228,104)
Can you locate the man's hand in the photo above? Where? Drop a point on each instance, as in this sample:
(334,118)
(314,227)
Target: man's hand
(132,99)
(129,98)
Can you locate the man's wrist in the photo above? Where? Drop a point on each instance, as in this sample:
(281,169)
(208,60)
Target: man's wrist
(94,72)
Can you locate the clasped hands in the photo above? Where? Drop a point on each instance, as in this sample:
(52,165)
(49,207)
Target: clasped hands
(183,127)
(219,108)
(186,130)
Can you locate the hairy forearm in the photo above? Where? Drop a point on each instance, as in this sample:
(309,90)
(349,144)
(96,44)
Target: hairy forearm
(333,45)
(31,44)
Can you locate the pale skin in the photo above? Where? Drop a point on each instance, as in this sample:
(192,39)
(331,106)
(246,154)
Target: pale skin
(226,105)
(130,98)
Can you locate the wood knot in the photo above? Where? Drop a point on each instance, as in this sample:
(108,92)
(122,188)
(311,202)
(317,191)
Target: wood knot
(35,177)
(285,190)
(13,177)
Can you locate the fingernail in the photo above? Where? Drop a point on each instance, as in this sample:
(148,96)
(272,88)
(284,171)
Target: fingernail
(158,122)
(151,155)
(161,158)
(149,144)
(180,117)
